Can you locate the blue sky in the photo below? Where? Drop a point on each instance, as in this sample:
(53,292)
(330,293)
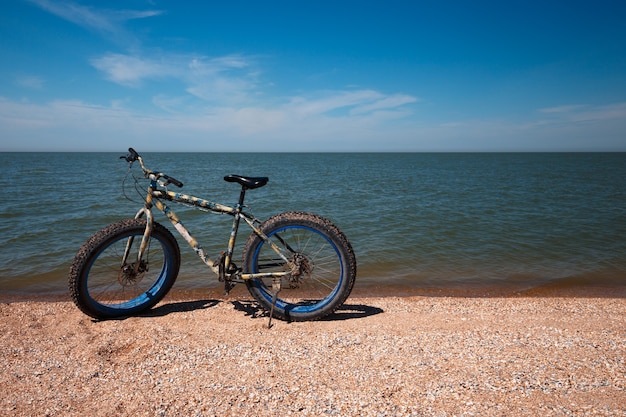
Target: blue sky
(312,76)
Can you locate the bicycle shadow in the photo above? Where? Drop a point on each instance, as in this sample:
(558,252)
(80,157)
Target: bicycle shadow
(179,307)
(353,311)
(345,312)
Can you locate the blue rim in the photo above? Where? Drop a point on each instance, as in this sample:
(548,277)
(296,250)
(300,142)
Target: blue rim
(305,308)
(143,298)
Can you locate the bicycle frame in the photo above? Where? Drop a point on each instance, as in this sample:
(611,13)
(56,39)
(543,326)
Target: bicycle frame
(157,193)
(130,265)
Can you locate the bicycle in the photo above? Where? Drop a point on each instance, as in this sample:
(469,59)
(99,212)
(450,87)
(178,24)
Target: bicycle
(129,266)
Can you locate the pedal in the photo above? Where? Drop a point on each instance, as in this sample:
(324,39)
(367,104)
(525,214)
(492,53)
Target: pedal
(230,276)
(228,285)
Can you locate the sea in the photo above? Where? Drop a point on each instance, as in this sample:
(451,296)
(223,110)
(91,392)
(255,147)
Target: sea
(415,220)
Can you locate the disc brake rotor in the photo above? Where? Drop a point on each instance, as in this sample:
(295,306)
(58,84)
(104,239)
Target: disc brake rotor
(127,277)
(300,271)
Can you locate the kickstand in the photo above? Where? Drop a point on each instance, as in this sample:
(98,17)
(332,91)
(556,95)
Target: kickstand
(275,290)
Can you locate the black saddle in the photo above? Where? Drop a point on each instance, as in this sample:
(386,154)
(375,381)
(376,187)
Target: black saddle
(248,182)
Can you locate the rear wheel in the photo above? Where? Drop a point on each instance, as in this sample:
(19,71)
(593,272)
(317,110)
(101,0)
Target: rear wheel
(324,268)
(103,287)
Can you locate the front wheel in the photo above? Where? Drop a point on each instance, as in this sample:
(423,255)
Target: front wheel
(104,285)
(323,266)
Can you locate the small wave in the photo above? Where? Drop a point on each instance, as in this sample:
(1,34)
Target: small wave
(608,278)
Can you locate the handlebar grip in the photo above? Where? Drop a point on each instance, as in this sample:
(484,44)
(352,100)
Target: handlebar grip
(173,181)
(132,155)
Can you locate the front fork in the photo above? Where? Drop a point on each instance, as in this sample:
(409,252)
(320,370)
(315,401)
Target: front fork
(144,240)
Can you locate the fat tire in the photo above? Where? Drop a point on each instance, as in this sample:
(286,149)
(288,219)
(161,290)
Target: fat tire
(162,244)
(337,269)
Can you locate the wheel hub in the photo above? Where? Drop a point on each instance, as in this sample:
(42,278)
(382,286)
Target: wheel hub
(300,270)
(127,276)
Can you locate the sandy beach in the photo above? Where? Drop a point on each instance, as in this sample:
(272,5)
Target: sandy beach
(436,353)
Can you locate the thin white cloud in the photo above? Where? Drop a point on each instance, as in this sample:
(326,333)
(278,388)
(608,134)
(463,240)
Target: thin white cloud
(385,103)
(561,109)
(131,70)
(584,113)
(169,104)
(224,79)
(30,81)
(333,100)
(107,22)
(357,104)
(606,112)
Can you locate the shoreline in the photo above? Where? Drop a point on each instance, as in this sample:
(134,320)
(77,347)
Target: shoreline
(612,282)
(369,290)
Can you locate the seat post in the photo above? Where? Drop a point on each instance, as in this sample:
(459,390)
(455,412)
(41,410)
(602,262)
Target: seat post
(242,195)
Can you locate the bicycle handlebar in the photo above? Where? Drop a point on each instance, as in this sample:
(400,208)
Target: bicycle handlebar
(134,156)
(172,180)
